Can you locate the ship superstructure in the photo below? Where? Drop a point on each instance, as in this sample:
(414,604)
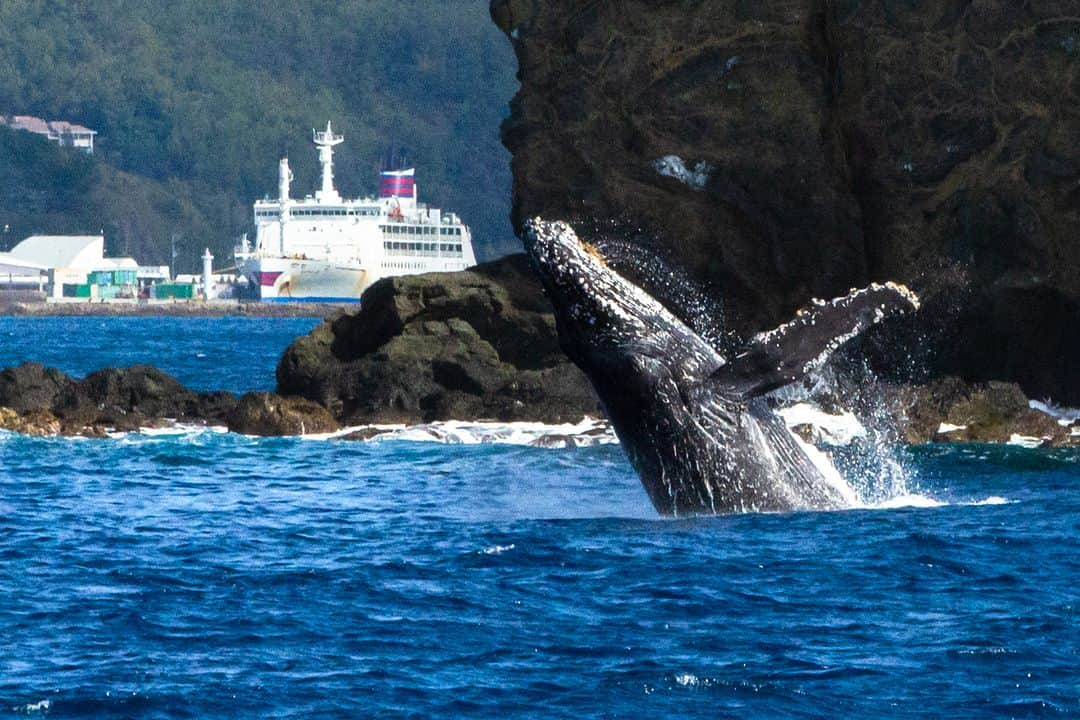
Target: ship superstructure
(325,248)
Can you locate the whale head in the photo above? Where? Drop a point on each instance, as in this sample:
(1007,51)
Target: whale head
(603,318)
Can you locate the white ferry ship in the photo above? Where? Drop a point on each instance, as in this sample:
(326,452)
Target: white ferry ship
(325,248)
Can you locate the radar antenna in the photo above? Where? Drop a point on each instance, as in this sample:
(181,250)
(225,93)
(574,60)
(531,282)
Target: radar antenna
(325,140)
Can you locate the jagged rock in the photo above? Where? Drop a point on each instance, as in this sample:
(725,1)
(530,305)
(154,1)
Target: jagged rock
(261,413)
(949,410)
(130,398)
(31,386)
(41,400)
(479,344)
(787,149)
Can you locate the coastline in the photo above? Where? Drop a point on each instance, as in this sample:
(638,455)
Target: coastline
(191,308)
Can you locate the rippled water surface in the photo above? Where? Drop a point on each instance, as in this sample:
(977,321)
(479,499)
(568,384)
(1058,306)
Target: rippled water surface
(204,574)
(237,354)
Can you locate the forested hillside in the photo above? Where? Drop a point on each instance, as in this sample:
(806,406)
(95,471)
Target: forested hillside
(195,102)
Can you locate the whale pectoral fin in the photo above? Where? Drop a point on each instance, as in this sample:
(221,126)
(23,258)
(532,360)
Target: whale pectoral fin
(788,353)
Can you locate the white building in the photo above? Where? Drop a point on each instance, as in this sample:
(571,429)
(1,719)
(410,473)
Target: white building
(61,132)
(64,260)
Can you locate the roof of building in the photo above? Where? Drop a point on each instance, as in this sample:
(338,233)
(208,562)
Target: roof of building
(15,266)
(44,127)
(63,126)
(28,122)
(61,251)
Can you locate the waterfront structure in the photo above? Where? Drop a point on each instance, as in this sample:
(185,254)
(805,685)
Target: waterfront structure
(72,266)
(61,132)
(325,248)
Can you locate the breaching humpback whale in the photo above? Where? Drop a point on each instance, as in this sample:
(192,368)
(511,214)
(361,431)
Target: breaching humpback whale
(694,424)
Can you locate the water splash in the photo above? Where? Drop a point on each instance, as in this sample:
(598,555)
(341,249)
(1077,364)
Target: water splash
(868,457)
(688,299)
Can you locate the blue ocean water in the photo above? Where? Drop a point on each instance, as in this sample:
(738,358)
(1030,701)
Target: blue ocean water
(237,354)
(212,575)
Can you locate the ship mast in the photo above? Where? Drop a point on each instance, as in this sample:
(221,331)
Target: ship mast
(285,177)
(325,141)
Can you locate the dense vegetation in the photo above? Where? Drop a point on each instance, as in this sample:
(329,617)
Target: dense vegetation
(195,103)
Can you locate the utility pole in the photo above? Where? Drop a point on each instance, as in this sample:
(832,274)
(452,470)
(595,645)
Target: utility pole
(172,262)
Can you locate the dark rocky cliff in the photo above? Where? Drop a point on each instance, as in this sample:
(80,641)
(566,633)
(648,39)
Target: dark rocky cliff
(479,344)
(835,143)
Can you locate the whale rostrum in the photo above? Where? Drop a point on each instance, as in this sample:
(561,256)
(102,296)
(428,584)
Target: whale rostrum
(693,423)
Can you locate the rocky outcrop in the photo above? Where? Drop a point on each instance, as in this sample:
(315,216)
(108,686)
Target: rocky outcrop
(479,344)
(473,345)
(32,386)
(788,149)
(261,413)
(134,397)
(949,410)
(45,401)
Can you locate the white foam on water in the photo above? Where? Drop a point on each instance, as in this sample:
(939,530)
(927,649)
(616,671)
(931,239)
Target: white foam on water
(40,706)
(911,500)
(915,500)
(171,430)
(992,500)
(497,549)
(1025,441)
(183,429)
(688,680)
(586,433)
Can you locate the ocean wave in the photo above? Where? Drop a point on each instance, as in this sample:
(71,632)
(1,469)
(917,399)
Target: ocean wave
(586,433)
(42,706)
(916,500)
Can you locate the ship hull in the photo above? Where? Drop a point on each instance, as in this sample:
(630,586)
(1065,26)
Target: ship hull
(292,280)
